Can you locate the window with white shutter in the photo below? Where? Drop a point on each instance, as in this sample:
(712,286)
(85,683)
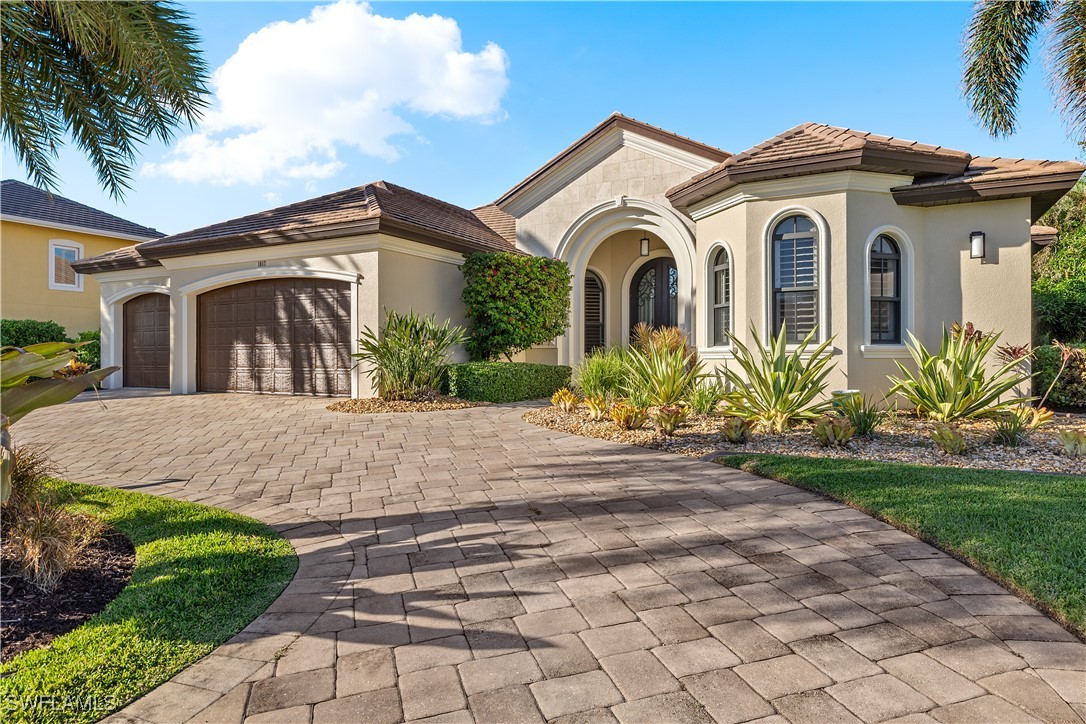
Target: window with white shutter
(795,277)
(62,276)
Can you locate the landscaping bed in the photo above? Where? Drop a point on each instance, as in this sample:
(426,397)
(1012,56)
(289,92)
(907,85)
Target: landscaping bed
(902,438)
(375,405)
(1024,530)
(30,617)
(201,575)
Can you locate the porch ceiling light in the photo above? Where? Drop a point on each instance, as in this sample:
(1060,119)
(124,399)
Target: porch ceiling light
(976,245)
(644,246)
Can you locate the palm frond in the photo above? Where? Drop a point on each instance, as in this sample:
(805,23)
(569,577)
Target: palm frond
(996,53)
(1067,64)
(107,74)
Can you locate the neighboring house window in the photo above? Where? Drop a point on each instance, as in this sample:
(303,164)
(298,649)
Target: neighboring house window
(593,312)
(61,274)
(722,297)
(885,276)
(795,277)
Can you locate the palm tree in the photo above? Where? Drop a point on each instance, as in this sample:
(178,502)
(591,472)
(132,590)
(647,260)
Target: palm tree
(997,52)
(107,74)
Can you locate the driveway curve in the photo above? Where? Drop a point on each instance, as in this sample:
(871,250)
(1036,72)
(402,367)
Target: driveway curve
(468,566)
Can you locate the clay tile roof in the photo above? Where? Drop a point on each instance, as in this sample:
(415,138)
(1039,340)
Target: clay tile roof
(502,223)
(24,201)
(819,148)
(617,120)
(378,206)
(1043,235)
(992,178)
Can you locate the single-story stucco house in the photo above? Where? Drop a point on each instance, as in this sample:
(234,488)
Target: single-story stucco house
(859,236)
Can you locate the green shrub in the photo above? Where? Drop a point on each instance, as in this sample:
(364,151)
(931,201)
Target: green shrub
(602,373)
(704,396)
(1070,389)
(1059,308)
(664,375)
(25,332)
(505,381)
(955,383)
(863,414)
(91,352)
(779,386)
(407,357)
(515,301)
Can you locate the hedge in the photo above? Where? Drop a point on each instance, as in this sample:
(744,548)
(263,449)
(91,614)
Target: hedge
(505,381)
(1070,391)
(1059,308)
(24,332)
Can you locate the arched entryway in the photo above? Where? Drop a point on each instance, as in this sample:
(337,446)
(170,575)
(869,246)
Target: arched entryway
(619,225)
(654,294)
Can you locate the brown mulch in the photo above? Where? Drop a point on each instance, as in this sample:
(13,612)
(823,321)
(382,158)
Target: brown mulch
(375,405)
(31,618)
(903,438)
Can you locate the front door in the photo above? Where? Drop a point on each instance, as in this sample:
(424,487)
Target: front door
(654,294)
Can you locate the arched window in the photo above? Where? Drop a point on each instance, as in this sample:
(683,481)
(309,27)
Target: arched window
(722,297)
(593,312)
(795,277)
(885,279)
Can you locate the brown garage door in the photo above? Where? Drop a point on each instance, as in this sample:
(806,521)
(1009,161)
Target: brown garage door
(288,336)
(147,341)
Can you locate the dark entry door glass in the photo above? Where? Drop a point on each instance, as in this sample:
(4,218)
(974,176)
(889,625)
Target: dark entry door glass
(654,294)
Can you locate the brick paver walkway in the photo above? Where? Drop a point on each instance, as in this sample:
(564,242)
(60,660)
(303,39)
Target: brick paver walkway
(468,566)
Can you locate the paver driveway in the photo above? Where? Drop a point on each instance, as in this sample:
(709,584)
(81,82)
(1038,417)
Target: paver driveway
(467,565)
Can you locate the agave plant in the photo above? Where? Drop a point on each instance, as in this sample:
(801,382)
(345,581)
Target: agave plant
(955,382)
(565,400)
(627,416)
(833,431)
(778,387)
(669,417)
(31,378)
(407,358)
(665,375)
(597,406)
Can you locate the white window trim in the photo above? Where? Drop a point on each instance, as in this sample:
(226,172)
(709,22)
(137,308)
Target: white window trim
(722,350)
(824,331)
(55,244)
(908,296)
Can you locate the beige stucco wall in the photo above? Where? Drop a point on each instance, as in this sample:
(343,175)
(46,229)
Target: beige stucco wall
(428,286)
(625,172)
(25,268)
(946,284)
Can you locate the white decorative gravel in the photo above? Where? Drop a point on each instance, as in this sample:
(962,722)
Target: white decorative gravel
(903,438)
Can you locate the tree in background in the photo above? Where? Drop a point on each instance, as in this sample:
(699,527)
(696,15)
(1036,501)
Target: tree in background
(107,74)
(997,52)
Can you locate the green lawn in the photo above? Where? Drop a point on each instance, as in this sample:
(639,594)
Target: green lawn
(201,575)
(1025,530)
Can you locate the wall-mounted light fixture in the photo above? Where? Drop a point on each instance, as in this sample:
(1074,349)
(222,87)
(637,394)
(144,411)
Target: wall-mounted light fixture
(976,245)
(644,246)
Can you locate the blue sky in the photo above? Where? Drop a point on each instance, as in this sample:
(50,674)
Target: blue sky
(728,74)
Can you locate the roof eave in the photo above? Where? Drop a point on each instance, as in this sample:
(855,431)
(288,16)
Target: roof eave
(90,266)
(1045,189)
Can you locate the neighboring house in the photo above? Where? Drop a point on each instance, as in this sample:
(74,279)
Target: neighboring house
(860,237)
(41,236)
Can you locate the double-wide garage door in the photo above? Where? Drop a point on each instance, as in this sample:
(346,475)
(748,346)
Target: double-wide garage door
(289,336)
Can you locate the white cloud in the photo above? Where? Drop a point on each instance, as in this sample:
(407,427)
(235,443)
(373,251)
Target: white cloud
(295,92)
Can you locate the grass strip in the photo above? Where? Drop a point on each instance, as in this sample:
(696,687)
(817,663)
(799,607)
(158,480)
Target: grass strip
(1025,530)
(202,574)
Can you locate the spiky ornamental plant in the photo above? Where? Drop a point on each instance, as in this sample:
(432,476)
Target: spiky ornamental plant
(955,383)
(996,54)
(778,386)
(107,74)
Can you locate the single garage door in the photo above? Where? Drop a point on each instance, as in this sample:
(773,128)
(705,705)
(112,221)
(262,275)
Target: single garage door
(289,336)
(147,341)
